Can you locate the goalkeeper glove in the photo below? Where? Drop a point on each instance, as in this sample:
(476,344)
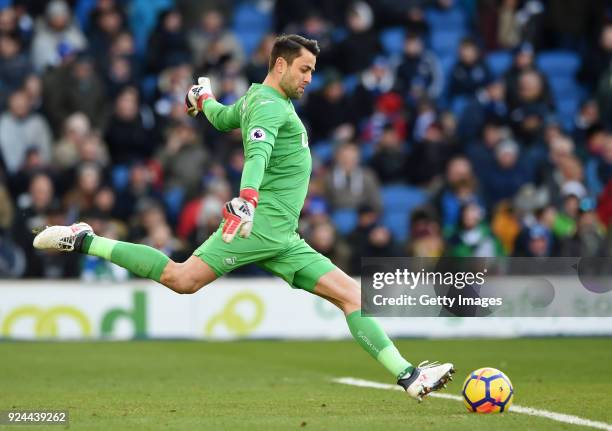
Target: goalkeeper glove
(238,215)
(197,95)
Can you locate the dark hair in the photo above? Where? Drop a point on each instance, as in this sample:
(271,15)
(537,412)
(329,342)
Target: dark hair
(289,47)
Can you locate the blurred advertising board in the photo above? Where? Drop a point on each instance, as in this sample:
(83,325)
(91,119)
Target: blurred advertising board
(230,308)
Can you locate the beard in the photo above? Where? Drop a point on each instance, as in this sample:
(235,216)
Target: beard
(291,91)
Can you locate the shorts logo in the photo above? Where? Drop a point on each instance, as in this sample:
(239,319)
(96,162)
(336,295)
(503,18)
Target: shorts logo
(230,260)
(257,134)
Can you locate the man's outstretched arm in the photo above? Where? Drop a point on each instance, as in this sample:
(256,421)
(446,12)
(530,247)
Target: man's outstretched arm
(201,98)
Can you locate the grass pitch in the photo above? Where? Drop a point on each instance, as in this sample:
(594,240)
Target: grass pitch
(276,385)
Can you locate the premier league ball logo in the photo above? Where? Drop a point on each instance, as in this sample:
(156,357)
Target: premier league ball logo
(257,134)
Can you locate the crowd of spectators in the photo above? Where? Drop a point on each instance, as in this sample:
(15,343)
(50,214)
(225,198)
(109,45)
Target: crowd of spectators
(417,151)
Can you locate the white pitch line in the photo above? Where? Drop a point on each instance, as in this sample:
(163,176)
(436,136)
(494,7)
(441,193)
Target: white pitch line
(559,417)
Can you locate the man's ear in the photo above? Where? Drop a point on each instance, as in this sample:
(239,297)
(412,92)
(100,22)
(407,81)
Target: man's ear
(281,65)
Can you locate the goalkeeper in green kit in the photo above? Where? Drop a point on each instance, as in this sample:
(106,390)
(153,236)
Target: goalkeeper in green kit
(260,225)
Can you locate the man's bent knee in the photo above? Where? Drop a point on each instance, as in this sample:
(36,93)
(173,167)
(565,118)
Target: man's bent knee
(187,277)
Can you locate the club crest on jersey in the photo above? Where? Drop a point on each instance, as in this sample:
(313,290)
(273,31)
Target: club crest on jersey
(230,260)
(257,134)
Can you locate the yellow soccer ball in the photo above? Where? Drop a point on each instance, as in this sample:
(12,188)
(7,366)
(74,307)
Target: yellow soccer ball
(487,390)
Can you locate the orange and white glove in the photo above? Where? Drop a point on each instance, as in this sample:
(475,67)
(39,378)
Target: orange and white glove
(238,215)
(197,95)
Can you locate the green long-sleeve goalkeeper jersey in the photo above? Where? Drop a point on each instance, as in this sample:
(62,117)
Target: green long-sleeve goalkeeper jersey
(277,158)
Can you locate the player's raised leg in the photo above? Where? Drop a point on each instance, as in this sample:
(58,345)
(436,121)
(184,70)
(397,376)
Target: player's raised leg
(344,292)
(142,260)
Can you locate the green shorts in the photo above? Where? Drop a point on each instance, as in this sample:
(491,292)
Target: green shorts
(274,246)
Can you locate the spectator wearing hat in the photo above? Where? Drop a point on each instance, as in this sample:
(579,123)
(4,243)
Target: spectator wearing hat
(505,177)
(55,28)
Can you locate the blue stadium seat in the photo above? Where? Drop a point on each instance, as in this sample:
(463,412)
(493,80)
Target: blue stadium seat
(316,83)
(120,176)
(248,14)
(250,24)
(399,201)
(445,42)
(558,63)
(174,199)
(499,62)
(350,82)
(345,220)
(249,39)
(450,19)
(367,151)
(564,86)
(458,105)
(567,108)
(323,150)
(446,64)
(392,40)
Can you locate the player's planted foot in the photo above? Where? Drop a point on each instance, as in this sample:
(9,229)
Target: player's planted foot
(62,238)
(426,378)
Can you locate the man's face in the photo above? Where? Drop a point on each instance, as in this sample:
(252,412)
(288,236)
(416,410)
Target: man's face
(298,74)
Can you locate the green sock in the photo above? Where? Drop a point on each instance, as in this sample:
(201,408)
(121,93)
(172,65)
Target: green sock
(142,260)
(372,338)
